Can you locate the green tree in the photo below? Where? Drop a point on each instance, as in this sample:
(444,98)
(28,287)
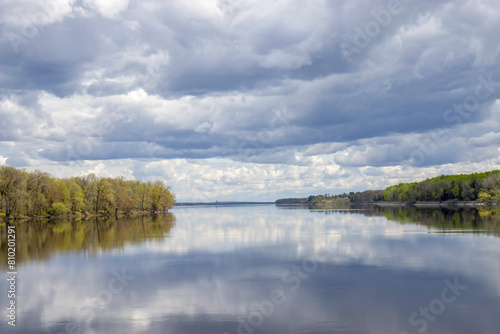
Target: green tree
(13,189)
(38,188)
(104,195)
(76,196)
(161,197)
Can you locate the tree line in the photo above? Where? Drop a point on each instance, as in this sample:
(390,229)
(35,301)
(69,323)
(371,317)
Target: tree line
(37,193)
(482,187)
(340,199)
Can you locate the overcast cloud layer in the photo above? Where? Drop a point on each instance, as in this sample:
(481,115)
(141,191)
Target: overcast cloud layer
(247,99)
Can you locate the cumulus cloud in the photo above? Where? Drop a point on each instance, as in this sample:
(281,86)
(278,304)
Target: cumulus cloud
(316,85)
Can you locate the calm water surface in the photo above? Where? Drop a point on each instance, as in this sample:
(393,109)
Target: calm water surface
(260,269)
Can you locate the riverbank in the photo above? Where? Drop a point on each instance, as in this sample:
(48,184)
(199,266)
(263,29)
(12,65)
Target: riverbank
(452,203)
(82,216)
(430,204)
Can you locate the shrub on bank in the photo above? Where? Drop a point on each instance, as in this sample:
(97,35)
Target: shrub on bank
(58,209)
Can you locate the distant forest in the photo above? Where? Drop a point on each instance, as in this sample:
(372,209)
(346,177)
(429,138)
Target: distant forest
(482,187)
(38,193)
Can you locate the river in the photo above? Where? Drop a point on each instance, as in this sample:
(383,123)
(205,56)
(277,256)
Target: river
(259,269)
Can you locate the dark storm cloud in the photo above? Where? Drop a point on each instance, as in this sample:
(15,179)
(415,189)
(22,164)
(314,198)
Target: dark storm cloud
(201,79)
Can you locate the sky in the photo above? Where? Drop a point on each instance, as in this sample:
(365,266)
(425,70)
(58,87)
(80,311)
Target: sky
(251,100)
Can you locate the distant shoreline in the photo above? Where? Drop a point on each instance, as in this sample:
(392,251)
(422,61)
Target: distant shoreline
(222,203)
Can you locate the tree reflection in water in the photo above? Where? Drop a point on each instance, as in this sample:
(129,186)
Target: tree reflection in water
(37,240)
(447,219)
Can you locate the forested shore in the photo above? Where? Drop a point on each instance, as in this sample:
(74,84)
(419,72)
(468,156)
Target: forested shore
(26,194)
(476,189)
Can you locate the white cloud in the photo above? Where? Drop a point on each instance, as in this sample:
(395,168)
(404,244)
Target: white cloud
(178,84)
(110,9)
(34,14)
